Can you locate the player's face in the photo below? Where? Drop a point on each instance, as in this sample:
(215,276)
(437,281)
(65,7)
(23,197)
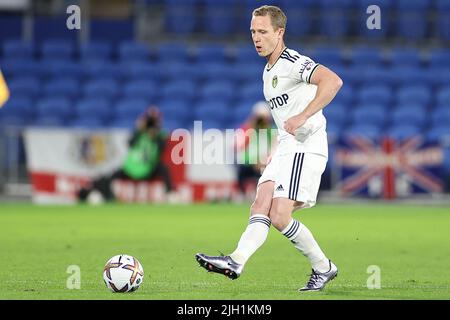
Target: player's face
(264,37)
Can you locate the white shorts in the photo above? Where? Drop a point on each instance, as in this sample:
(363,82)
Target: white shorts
(296,175)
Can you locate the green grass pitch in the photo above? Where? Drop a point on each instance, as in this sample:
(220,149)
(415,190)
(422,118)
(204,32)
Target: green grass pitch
(410,245)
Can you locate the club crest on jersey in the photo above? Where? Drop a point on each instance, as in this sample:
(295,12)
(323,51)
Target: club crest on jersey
(274,81)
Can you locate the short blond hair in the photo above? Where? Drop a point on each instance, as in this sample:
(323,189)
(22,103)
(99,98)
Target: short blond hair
(277,16)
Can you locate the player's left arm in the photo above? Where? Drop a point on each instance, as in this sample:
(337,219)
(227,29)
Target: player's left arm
(4,92)
(328,84)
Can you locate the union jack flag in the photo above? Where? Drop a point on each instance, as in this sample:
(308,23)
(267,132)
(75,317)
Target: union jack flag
(389,168)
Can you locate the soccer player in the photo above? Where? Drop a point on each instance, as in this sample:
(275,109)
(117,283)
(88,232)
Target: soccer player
(297,89)
(4,92)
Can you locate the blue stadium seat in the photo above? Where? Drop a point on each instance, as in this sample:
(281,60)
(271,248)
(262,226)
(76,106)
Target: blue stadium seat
(102,87)
(49,121)
(374,114)
(249,72)
(86,123)
(410,23)
(176,109)
(367,56)
(173,52)
(414,94)
(327,55)
(246,8)
(101,68)
(216,71)
(25,86)
(57,49)
(407,75)
(62,87)
(219,90)
(336,113)
(54,107)
(13,121)
(444,76)
(438,133)
(433,76)
(363,130)
(122,123)
(146,89)
(180,10)
(375,94)
(250,91)
(170,125)
(405,57)
(133,51)
(210,123)
(413,5)
(345,95)
(241,111)
(219,18)
(334,20)
(212,109)
(60,68)
(300,21)
(439,58)
(13,67)
(175,70)
(96,50)
(143,70)
(401,132)
(179,89)
(211,52)
(18,49)
(352,75)
(440,116)
(443,96)
(130,108)
(334,131)
(442,22)
(409,114)
(98,108)
(245,53)
(17,107)
(112,29)
(374,74)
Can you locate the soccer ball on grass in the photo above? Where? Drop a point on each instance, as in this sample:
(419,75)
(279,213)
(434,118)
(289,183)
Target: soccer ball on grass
(123,273)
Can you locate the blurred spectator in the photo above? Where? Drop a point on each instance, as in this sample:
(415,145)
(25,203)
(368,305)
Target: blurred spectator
(254,147)
(143,160)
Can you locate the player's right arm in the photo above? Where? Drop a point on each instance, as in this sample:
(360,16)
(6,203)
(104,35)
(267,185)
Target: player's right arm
(4,91)
(328,84)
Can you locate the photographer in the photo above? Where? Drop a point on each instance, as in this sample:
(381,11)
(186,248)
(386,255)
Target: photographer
(255,146)
(143,160)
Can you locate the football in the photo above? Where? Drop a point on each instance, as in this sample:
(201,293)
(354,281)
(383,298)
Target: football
(123,273)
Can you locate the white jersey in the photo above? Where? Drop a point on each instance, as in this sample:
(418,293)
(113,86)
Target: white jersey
(288,91)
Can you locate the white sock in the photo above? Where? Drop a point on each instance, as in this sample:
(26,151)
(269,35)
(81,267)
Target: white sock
(304,241)
(252,238)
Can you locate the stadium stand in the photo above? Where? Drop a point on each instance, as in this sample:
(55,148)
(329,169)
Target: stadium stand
(396,85)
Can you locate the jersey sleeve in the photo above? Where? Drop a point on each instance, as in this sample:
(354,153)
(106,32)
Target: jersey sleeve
(303,69)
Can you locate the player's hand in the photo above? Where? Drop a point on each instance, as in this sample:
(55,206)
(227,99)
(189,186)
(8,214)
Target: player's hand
(291,124)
